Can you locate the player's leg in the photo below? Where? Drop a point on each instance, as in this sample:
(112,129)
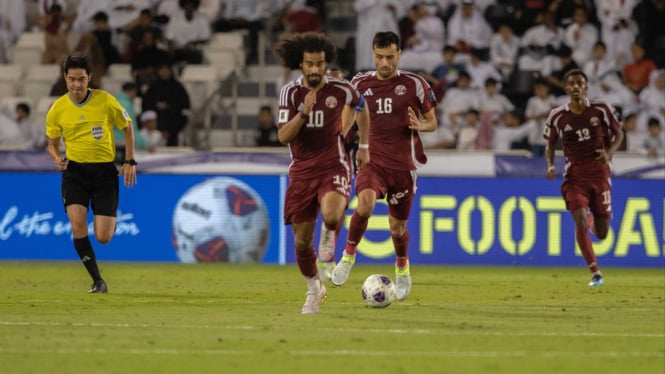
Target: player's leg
(357,228)
(333,205)
(577,202)
(401,197)
(303,234)
(300,211)
(76,199)
(600,210)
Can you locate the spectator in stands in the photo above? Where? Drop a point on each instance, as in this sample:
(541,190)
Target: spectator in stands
(126,99)
(33,135)
(135,30)
(423,50)
(537,109)
(597,68)
(120,13)
(491,100)
(373,16)
(564,9)
(150,131)
(244,15)
(564,64)
(56,31)
(266,132)
(457,101)
(618,30)
(545,34)
(59,87)
(480,70)
(188,34)
(12,24)
(10,133)
(581,36)
(146,59)
(510,133)
(105,38)
(633,139)
(302,19)
(169,99)
(653,96)
(407,24)
(654,142)
(636,74)
(649,16)
(466,139)
(504,48)
(468,29)
(444,75)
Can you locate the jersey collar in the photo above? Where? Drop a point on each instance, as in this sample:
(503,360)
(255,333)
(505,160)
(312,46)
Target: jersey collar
(586,101)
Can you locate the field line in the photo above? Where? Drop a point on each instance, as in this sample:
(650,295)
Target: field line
(340,329)
(362,353)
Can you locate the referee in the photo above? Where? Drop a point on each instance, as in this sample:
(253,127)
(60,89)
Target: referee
(84,118)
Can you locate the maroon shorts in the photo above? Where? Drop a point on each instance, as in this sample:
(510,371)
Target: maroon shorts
(593,194)
(303,196)
(397,186)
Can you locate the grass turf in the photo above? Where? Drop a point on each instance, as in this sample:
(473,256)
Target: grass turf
(174,318)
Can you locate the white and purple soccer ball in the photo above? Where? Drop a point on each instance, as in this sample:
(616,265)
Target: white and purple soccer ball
(378,291)
(220,220)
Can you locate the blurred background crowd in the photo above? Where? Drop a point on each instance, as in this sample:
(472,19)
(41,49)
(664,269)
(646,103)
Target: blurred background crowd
(201,73)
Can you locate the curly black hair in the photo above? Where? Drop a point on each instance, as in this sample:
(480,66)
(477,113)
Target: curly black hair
(292,48)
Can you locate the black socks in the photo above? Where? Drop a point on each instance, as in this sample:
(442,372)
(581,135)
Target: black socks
(87,256)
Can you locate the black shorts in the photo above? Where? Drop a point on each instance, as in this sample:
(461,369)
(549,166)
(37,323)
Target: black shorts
(91,184)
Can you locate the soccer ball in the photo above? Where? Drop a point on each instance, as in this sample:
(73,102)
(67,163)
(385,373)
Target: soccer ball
(378,291)
(220,220)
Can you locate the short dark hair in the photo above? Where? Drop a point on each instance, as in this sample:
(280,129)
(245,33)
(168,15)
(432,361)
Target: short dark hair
(653,122)
(129,86)
(490,82)
(291,48)
(24,107)
(76,61)
(572,72)
(384,39)
(100,16)
(265,108)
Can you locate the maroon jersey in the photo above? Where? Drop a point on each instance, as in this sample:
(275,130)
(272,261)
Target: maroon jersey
(581,135)
(392,144)
(318,146)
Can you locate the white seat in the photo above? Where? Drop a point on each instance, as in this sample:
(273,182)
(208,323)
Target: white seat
(221,58)
(27,56)
(112,85)
(267,72)
(200,81)
(227,40)
(10,79)
(43,105)
(120,71)
(39,79)
(31,40)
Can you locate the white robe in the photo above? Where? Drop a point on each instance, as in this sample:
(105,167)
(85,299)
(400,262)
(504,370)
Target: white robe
(373,16)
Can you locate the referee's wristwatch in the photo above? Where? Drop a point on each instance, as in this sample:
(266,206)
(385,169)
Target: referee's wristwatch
(131,161)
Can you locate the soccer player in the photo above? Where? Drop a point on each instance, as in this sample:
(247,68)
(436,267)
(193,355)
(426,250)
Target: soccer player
(590,134)
(400,104)
(84,119)
(313,110)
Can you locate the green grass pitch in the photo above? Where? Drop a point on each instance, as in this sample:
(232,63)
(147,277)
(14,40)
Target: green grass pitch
(175,318)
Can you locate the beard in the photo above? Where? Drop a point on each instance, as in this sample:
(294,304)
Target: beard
(313,80)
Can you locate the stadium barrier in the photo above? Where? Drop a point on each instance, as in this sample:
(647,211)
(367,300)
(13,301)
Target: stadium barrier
(212,206)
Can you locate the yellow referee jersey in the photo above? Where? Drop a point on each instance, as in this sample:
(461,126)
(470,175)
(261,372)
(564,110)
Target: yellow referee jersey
(87,128)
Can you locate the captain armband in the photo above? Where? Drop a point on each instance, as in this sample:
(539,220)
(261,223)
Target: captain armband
(361,104)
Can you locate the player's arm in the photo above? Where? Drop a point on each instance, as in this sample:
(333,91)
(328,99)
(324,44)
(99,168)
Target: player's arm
(427,124)
(549,156)
(287,132)
(605,156)
(53,148)
(362,118)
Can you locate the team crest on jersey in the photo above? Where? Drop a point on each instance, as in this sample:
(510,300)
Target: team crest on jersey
(595,121)
(97,132)
(400,89)
(331,102)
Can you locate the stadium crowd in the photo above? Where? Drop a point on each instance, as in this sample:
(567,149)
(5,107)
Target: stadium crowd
(496,65)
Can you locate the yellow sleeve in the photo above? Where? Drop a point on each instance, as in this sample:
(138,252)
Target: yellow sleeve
(117,114)
(53,128)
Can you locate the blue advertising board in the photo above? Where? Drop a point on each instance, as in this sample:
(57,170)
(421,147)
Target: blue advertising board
(503,221)
(154,217)
(466,221)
